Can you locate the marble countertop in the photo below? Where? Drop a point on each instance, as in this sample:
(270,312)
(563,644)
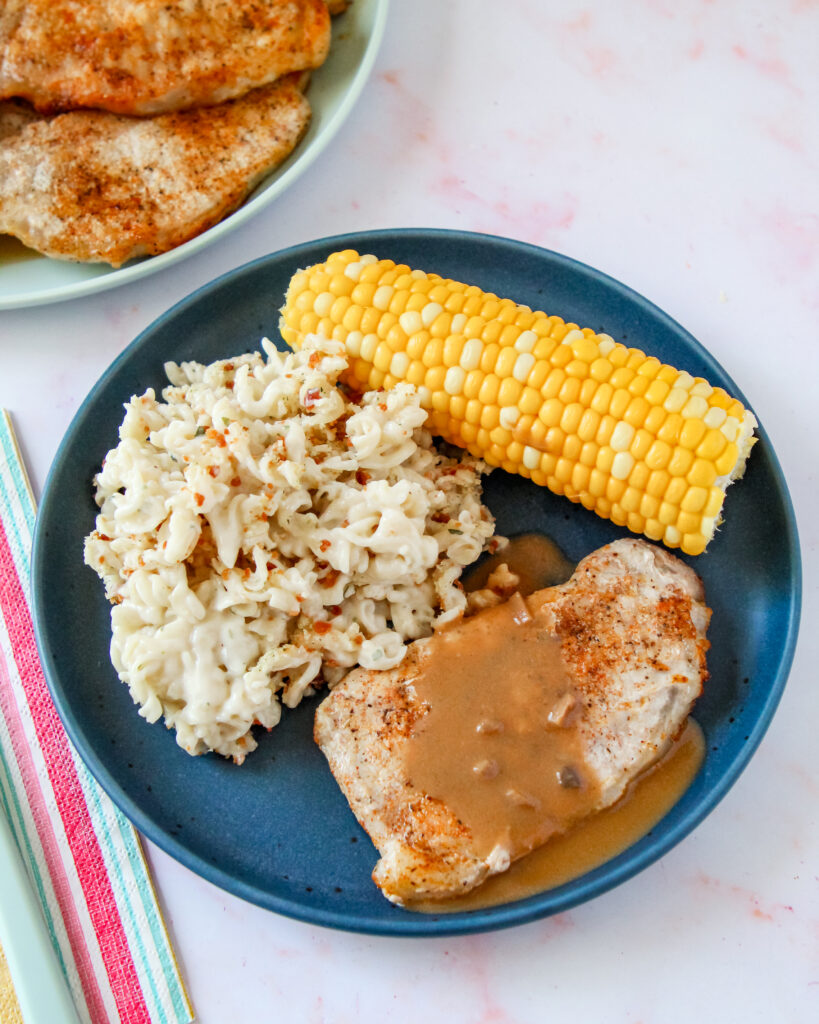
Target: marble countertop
(675,147)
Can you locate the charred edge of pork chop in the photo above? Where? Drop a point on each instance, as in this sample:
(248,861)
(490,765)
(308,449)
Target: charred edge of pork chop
(15,115)
(158,59)
(94,187)
(612,651)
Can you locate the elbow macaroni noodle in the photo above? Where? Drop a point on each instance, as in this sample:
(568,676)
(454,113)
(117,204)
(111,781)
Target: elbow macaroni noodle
(260,534)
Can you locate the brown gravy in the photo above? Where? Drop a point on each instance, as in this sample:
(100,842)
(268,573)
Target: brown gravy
(596,840)
(500,743)
(536,559)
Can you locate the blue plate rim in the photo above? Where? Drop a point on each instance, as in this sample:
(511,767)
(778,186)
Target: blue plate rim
(561,898)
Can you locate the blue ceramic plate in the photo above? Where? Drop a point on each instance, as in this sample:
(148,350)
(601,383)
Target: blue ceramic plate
(277,831)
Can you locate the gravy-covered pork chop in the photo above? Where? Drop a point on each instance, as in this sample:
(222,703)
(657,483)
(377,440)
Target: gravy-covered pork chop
(500,732)
(95,187)
(153,57)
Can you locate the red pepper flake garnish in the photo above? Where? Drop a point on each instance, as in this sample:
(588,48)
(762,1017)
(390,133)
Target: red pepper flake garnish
(358,639)
(299,598)
(345,522)
(322,627)
(200,499)
(228,367)
(335,609)
(311,396)
(325,544)
(330,579)
(440,517)
(362,477)
(270,566)
(229,385)
(103,536)
(235,481)
(213,470)
(214,435)
(314,360)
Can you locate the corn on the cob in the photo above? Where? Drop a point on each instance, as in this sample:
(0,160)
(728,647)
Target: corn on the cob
(633,439)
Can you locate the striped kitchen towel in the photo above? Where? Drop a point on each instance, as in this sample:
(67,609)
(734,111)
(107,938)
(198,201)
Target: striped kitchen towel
(83,857)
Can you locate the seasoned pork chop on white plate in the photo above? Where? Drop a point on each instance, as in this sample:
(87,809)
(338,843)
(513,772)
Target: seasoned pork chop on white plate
(153,56)
(101,188)
(497,733)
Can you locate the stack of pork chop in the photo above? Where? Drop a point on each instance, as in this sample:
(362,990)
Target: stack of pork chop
(126,129)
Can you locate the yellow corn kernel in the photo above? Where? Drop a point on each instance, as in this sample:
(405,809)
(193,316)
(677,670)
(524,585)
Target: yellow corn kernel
(587,427)
(619,403)
(472,384)
(694,499)
(572,415)
(572,447)
(529,401)
(569,390)
(680,462)
(488,394)
(621,378)
(702,474)
(605,459)
(676,490)
(655,419)
(588,454)
(641,444)
(630,502)
(636,411)
(639,476)
(726,462)
(550,412)
(602,399)
(510,391)
(649,507)
(688,522)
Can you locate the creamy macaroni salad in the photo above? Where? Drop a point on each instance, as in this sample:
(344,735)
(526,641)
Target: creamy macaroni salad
(260,534)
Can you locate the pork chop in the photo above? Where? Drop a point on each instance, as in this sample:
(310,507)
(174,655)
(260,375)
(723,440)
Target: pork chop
(96,187)
(630,624)
(153,57)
